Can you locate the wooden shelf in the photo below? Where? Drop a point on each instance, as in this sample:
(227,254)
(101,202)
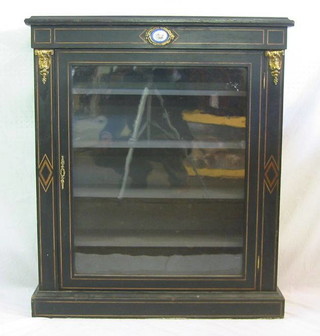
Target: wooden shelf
(156,239)
(159,144)
(161,265)
(158,89)
(163,252)
(231,193)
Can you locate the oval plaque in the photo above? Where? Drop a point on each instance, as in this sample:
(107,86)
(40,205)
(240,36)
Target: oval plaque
(159,36)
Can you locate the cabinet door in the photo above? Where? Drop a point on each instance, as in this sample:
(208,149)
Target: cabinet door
(160,166)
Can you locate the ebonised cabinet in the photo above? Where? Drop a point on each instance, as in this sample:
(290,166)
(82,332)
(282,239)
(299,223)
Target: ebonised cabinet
(158,157)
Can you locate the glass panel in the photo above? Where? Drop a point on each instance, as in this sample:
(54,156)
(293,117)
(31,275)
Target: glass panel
(158,170)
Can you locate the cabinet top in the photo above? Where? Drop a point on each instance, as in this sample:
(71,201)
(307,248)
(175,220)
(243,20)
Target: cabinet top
(152,20)
(119,32)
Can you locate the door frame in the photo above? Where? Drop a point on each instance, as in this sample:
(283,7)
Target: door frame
(255,63)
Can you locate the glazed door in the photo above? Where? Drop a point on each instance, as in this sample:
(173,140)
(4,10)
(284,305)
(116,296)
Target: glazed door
(159,169)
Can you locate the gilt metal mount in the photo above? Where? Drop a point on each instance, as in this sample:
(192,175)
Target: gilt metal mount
(44,62)
(275,64)
(160,36)
(62,171)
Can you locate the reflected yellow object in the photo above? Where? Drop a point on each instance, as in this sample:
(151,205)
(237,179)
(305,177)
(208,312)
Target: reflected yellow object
(225,173)
(197,116)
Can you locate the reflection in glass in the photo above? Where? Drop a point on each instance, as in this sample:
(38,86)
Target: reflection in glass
(158,169)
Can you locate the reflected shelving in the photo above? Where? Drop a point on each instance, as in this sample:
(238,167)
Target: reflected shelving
(175,137)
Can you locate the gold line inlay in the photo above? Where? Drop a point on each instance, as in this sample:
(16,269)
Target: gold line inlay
(211,277)
(45,173)
(42,29)
(271,174)
(69,52)
(275,30)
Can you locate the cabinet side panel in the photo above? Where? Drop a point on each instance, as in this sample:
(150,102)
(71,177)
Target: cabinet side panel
(271,180)
(45,172)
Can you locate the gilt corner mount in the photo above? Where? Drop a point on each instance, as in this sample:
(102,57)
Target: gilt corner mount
(44,62)
(275,63)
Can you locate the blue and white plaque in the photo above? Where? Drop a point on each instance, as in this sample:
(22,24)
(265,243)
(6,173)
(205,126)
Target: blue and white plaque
(160,36)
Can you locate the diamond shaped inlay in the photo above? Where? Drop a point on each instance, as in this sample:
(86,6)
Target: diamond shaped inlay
(271,174)
(45,173)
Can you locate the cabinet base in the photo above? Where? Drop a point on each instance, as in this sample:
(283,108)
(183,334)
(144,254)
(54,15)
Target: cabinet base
(156,304)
